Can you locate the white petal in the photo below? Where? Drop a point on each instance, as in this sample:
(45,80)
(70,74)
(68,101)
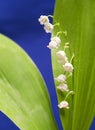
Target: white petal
(62,58)
(48,27)
(61,78)
(56,39)
(52,45)
(63,104)
(63,87)
(68,67)
(43,19)
(63,61)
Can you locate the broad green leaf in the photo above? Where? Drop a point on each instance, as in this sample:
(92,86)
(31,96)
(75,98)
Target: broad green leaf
(23,95)
(77,17)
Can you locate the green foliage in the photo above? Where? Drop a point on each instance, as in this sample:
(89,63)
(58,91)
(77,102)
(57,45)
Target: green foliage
(77,17)
(23,95)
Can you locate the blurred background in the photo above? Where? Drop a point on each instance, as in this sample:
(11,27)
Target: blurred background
(19,21)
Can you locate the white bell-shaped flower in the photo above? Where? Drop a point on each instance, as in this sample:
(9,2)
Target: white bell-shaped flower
(62,58)
(63,104)
(61,78)
(63,61)
(48,27)
(52,45)
(68,67)
(43,19)
(63,87)
(56,39)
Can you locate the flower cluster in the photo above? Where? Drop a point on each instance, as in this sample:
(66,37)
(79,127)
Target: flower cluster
(61,58)
(44,20)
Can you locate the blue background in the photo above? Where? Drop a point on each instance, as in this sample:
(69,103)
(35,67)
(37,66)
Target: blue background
(19,21)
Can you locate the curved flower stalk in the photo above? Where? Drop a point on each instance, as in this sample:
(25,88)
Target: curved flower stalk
(62,60)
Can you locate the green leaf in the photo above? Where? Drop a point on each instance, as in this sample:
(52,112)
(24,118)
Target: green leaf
(77,17)
(23,95)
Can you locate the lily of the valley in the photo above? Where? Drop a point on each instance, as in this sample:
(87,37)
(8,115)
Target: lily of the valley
(56,39)
(48,27)
(61,78)
(52,45)
(61,56)
(68,67)
(63,104)
(43,19)
(63,87)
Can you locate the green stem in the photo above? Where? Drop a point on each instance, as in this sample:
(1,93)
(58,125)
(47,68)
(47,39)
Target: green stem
(69,93)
